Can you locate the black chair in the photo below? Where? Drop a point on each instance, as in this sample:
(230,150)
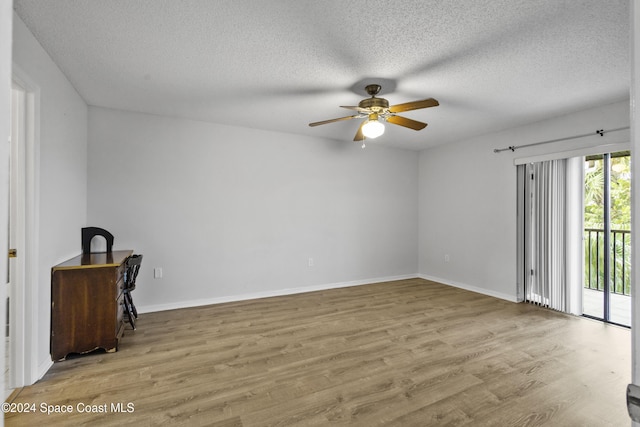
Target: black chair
(130,275)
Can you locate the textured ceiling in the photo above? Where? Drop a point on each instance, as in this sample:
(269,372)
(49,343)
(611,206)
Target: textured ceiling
(278,65)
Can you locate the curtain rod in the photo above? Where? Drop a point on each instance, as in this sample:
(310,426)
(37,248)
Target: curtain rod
(600,132)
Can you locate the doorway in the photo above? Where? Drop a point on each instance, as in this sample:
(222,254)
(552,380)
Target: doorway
(607,238)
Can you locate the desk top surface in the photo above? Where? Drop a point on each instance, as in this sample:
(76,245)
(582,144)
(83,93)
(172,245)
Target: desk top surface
(95,260)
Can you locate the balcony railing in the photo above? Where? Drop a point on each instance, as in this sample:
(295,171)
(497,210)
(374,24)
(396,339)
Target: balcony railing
(620,261)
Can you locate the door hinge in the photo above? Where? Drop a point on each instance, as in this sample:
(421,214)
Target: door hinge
(13,253)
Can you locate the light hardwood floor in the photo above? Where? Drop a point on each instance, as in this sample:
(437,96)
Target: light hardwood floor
(405,353)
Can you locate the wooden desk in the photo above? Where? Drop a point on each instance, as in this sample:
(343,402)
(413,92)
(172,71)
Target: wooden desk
(87,311)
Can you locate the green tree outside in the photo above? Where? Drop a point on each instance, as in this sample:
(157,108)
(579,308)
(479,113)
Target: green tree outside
(620,215)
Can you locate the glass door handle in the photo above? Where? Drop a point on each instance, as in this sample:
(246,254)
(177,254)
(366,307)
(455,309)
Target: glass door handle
(633,402)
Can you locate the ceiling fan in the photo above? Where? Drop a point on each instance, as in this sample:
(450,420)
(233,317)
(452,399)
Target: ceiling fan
(376,110)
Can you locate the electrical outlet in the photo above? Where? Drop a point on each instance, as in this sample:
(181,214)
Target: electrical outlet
(157,273)
(446,258)
(310,262)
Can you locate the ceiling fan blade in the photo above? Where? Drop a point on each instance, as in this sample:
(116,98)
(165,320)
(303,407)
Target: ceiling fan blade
(356,108)
(415,105)
(324,122)
(408,123)
(359,135)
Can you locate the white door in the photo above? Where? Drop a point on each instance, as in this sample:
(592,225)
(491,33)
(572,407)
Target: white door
(15,271)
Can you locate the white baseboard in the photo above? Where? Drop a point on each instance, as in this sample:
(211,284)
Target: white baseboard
(512,298)
(42,369)
(266,294)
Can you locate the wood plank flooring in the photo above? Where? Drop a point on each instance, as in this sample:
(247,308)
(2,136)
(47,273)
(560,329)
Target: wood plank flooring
(404,353)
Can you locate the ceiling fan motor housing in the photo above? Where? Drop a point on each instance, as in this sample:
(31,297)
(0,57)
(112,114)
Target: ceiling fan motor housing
(374,104)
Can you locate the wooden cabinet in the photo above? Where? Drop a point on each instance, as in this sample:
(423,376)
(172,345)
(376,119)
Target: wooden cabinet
(87,303)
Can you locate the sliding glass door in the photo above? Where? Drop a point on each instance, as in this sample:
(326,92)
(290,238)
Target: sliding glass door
(607,242)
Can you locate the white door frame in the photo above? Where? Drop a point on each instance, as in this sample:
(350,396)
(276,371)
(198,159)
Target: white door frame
(635,188)
(24,310)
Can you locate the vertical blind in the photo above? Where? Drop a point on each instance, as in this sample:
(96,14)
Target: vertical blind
(545,233)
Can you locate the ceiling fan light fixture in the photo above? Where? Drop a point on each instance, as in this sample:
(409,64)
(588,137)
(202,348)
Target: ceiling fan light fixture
(372,128)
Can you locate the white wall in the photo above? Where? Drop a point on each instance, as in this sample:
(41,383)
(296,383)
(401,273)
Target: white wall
(62,176)
(232,212)
(468,198)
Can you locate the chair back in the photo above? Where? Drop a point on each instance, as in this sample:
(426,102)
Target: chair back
(88,233)
(131,271)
